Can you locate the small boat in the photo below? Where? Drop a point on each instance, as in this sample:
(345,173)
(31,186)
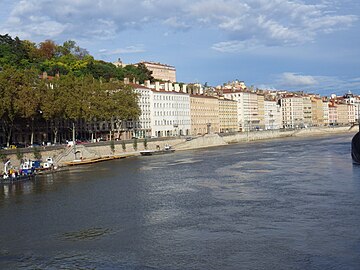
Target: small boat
(10,175)
(16,178)
(167,149)
(355,148)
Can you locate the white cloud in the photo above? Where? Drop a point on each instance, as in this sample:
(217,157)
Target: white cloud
(289,79)
(265,22)
(127,50)
(235,46)
(313,83)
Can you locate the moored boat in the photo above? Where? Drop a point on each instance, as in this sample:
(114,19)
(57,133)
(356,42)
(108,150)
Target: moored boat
(355,148)
(167,149)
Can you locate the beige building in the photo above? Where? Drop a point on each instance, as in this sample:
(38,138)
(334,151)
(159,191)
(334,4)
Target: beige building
(317,114)
(161,71)
(342,114)
(204,112)
(307,111)
(228,115)
(326,112)
(292,109)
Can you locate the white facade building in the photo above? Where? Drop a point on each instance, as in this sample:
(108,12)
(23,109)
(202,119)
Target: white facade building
(170,113)
(272,115)
(142,127)
(247,107)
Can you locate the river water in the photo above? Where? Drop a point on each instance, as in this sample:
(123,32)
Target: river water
(280,204)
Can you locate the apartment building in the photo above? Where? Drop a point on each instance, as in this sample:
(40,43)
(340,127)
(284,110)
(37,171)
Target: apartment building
(333,115)
(317,114)
(170,113)
(342,114)
(261,110)
(247,108)
(204,115)
(228,115)
(326,112)
(272,115)
(307,110)
(349,98)
(142,127)
(292,109)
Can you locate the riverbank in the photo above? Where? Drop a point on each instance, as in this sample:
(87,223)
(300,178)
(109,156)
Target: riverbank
(89,152)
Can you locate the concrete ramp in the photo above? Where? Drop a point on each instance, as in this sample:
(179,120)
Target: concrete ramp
(201,142)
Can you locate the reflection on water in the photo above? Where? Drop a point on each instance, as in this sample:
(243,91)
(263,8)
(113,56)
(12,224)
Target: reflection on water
(282,204)
(85,234)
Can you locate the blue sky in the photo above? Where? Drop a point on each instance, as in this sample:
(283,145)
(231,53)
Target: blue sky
(306,45)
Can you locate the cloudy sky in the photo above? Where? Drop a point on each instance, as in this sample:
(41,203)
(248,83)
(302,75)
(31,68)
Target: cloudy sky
(276,44)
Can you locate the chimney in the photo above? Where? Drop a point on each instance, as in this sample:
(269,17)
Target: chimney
(184,88)
(157,86)
(166,86)
(134,81)
(126,81)
(170,86)
(44,76)
(147,83)
(177,87)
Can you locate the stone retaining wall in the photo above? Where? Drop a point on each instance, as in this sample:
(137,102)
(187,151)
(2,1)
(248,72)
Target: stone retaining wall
(100,150)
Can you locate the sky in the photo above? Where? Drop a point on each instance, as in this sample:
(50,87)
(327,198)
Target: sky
(297,45)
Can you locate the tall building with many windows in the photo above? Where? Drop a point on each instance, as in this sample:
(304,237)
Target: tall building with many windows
(272,115)
(170,113)
(204,115)
(228,115)
(292,109)
(247,108)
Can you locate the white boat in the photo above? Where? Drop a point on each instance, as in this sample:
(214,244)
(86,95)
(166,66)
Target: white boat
(167,149)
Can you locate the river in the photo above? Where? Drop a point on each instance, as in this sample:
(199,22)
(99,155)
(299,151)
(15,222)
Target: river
(281,204)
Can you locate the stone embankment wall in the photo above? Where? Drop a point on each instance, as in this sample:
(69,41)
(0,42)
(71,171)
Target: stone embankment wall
(98,150)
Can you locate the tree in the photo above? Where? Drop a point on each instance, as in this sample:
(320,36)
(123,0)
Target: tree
(52,104)
(28,99)
(145,144)
(135,144)
(112,146)
(47,49)
(11,83)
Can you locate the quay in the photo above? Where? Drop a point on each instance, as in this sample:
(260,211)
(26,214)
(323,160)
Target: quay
(101,151)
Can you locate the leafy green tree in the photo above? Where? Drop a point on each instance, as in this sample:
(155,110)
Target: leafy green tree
(11,82)
(112,146)
(145,144)
(135,144)
(28,99)
(52,104)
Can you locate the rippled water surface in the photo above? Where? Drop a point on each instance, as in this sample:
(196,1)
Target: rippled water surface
(282,204)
